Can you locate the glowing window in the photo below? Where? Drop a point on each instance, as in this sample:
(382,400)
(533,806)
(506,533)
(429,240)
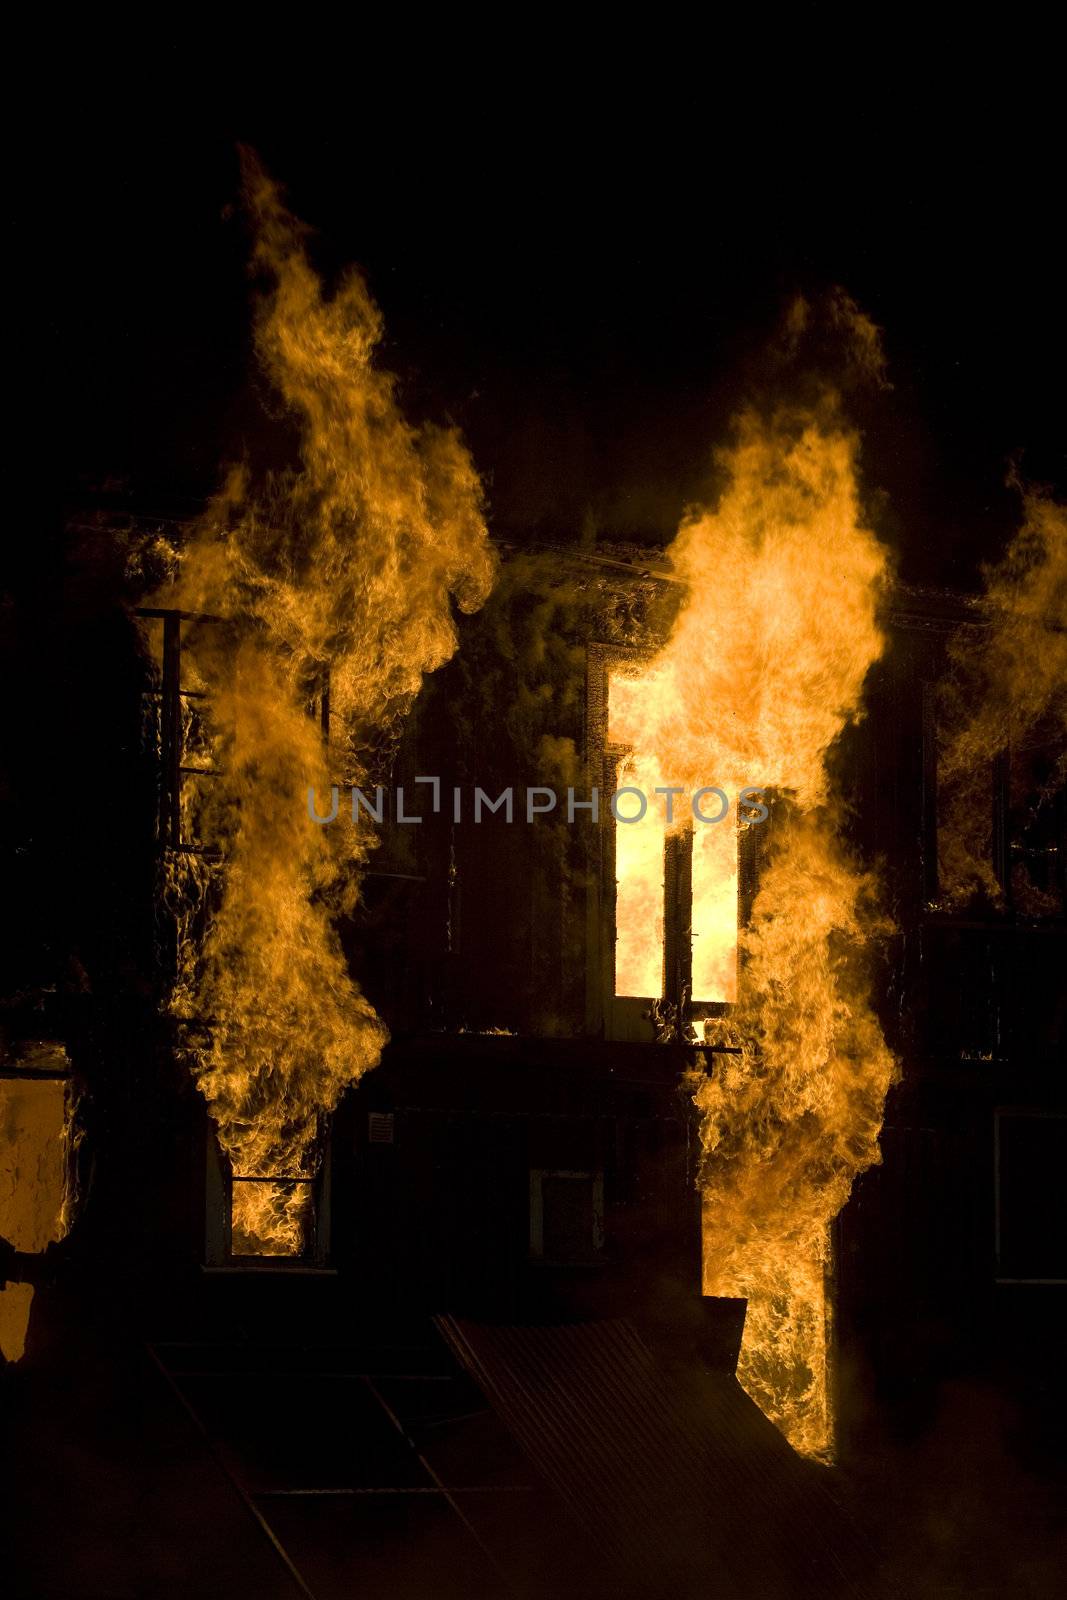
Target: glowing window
(271,1216)
(675,884)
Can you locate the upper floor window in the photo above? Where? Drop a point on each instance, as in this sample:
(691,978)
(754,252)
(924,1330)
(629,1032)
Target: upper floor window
(668,893)
(676,894)
(1030,1148)
(997,832)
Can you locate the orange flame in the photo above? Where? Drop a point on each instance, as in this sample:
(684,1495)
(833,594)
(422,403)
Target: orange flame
(764,667)
(354,562)
(790,1122)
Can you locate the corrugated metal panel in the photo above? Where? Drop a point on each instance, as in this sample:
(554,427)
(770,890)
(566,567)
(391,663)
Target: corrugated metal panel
(684,1486)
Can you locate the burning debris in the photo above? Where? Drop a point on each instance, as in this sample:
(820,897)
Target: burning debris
(348,565)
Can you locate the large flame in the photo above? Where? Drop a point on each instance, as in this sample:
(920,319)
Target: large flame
(793,1119)
(764,667)
(352,564)
(1007,687)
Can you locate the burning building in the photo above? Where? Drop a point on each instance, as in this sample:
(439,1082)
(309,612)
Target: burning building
(586,1018)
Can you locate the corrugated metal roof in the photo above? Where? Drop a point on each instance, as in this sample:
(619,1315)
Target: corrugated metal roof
(684,1486)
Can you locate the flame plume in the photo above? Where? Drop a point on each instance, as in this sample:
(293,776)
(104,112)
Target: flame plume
(790,1122)
(352,562)
(764,667)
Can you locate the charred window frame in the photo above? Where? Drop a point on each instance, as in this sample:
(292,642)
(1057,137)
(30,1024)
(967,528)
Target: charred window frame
(566,1216)
(220,1183)
(628,1017)
(176,727)
(1027,800)
(175,712)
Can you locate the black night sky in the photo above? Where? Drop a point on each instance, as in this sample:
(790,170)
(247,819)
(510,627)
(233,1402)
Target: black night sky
(584,285)
(580,265)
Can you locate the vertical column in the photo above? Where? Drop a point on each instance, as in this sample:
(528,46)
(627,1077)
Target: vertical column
(678,918)
(928,812)
(1001,804)
(171,733)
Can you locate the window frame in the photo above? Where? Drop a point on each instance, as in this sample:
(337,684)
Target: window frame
(595,1177)
(625,1017)
(1005,849)
(218,1214)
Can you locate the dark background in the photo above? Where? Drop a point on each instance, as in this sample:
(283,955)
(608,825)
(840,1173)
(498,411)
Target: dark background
(582,253)
(580,262)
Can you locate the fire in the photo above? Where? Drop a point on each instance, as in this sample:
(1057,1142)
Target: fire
(764,667)
(639,873)
(791,1121)
(350,564)
(640,864)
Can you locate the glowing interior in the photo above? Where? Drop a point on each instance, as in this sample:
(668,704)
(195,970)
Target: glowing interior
(715,910)
(639,871)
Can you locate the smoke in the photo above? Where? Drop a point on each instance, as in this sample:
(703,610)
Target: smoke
(833,341)
(349,563)
(522,673)
(1006,689)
